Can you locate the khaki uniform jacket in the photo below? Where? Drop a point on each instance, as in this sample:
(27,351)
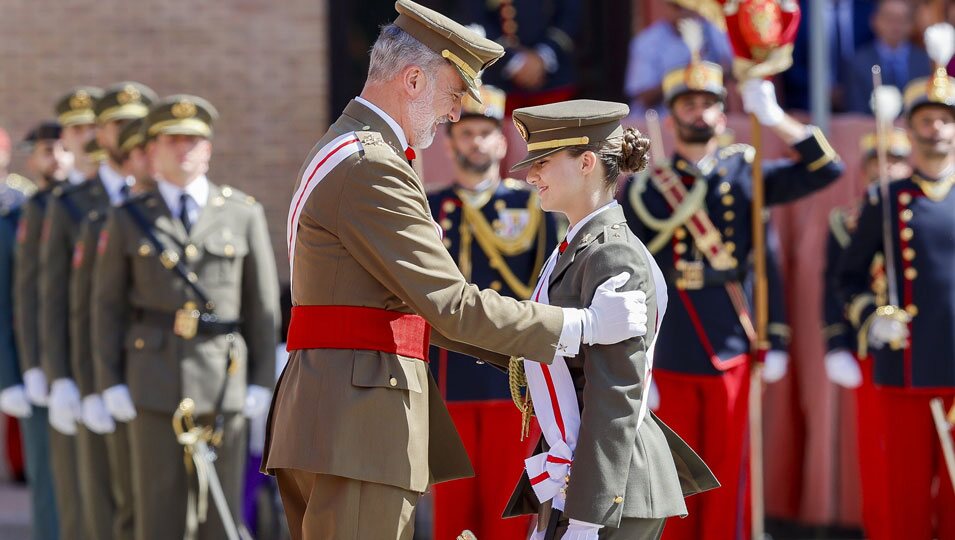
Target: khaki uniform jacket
(229,251)
(26,270)
(68,208)
(81,292)
(366,238)
(619,471)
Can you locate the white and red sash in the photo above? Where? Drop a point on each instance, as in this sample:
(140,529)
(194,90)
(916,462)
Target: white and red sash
(322,163)
(555,400)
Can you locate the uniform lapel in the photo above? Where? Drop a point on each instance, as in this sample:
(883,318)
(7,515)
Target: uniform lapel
(208,213)
(589,233)
(371,121)
(164,220)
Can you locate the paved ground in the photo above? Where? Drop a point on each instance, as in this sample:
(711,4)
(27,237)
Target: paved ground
(14,512)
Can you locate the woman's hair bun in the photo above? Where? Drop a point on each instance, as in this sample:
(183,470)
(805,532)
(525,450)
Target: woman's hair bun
(634,151)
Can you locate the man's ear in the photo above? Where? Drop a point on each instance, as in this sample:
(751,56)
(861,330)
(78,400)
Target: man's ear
(413,80)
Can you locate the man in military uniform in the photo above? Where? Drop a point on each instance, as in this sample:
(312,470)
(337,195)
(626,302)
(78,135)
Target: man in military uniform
(695,216)
(842,365)
(912,345)
(538,39)
(499,237)
(185,305)
(102,445)
(358,429)
(47,163)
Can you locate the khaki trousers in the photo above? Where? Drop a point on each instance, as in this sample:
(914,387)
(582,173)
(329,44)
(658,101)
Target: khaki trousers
(326,507)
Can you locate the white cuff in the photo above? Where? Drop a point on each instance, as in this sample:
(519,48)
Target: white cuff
(514,64)
(569,343)
(548,56)
(585,524)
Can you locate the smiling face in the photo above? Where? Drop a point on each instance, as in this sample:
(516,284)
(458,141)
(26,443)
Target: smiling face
(433,100)
(567,184)
(932,130)
(697,117)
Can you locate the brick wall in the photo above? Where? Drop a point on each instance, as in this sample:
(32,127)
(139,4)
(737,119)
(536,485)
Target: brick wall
(262,63)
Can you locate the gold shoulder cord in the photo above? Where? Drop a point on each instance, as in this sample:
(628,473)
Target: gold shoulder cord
(495,247)
(517,379)
(837,225)
(694,201)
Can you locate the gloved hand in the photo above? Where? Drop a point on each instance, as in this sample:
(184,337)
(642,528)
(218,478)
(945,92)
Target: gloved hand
(34,380)
(581,530)
(842,368)
(885,330)
(119,403)
(759,99)
(65,406)
(14,402)
(653,397)
(615,316)
(95,415)
(774,369)
(257,401)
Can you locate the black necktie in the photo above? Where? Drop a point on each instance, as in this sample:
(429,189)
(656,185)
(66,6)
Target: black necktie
(184,211)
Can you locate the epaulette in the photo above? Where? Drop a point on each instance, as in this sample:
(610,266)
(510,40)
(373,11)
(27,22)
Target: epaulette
(749,153)
(232,194)
(21,184)
(516,185)
(370,138)
(614,233)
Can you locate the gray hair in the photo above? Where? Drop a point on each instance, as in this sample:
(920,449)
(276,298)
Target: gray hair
(395,50)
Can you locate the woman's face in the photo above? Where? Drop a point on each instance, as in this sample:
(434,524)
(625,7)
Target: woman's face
(560,180)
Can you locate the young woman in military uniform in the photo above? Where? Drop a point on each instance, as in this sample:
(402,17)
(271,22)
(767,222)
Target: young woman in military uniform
(607,466)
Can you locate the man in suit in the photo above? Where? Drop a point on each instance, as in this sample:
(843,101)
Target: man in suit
(185,305)
(892,49)
(358,429)
(912,344)
(497,233)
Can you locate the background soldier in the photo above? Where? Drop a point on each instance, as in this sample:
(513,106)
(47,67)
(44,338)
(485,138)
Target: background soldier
(842,366)
(66,208)
(694,215)
(499,237)
(914,356)
(184,301)
(103,448)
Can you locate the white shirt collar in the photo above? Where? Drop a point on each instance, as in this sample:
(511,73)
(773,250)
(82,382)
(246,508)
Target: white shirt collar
(400,133)
(75,177)
(198,189)
(113,182)
(576,228)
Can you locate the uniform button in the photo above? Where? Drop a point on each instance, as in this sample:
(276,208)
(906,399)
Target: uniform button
(906,215)
(393,381)
(908,254)
(94,215)
(906,234)
(192,277)
(615,226)
(226,191)
(145,250)
(618,499)
(448,207)
(586,238)
(446,224)
(729,231)
(500,205)
(680,248)
(191,251)
(139,343)
(229,250)
(730,247)
(728,200)
(912,310)
(729,215)
(911,273)
(680,233)
(567,479)
(496,285)
(725,188)
(905,198)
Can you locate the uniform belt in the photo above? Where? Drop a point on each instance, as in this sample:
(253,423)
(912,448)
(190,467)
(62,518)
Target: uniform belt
(208,324)
(357,327)
(711,277)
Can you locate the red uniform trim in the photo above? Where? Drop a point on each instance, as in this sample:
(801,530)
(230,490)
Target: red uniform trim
(357,327)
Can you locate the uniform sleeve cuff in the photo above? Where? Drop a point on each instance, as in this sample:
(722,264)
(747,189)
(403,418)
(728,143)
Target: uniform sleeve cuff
(569,343)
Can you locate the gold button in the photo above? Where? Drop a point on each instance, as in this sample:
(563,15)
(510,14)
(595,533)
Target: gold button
(139,343)
(192,277)
(615,226)
(681,284)
(500,205)
(680,248)
(725,188)
(447,242)
(729,231)
(908,254)
(680,233)
(448,207)
(730,247)
(911,273)
(145,250)
(446,224)
(906,234)
(728,200)
(393,381)
(94,215)
(227,191)
(567,479)
(618,499)
(191,251)
(906,215)
(912,310)
(729,215)
(229,250)
(905,198)
(496,285)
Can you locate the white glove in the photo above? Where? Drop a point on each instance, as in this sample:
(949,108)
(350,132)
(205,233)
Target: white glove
(843,368)
(35,382)
(119,403)
(615,316)
(775,366)
(653,397)
(581,530)
(886,330)
(65,406)
(257,401)
(759,98)
(14,402)
(95,415)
